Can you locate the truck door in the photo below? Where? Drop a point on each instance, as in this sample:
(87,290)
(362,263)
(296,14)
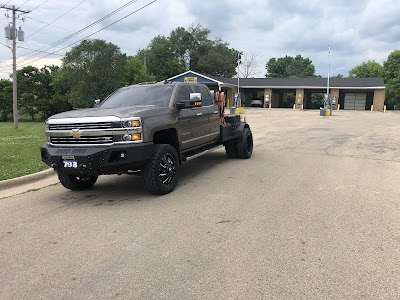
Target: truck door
(188,120)
(209,117)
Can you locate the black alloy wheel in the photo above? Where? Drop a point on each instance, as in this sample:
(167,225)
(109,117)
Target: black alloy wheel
(76,182)
(160,173)
(245,144)
(167,169)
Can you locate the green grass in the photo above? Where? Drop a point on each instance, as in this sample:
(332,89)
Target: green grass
(20,149)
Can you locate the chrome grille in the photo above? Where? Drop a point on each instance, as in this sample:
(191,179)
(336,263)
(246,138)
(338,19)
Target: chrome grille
(100,125)
(96,140)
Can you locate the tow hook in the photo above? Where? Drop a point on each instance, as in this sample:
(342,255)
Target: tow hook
(54,166)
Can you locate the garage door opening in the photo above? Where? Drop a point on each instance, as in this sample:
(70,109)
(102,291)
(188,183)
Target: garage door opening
(313,99)
(350,100)
(287,99)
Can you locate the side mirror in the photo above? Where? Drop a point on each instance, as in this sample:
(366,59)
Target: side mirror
(195,101)
(188,104)
(96,102)
(195,96)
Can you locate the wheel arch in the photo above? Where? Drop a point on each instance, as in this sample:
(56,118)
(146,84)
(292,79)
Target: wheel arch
(241,127)
(168,136)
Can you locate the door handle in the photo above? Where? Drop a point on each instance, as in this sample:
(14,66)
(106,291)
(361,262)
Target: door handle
(215,112)
(200,114)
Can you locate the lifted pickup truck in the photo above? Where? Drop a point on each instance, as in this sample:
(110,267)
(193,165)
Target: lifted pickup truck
(151,128)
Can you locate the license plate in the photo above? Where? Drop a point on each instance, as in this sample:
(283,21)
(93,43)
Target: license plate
(70,164)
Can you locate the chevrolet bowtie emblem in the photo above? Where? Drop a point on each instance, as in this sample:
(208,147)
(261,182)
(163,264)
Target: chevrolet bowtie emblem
(75,133)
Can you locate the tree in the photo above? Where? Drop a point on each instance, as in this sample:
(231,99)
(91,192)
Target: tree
(136,72)
(184,42)
(392,78)
(93,69)
(217,59)
(161,61)
(393,91)
(37,92)
(54,98)
(290,67)
(248,65)
(197,52)
(392,66)
(29,84)
(369,68)
(5,99)
(189,49)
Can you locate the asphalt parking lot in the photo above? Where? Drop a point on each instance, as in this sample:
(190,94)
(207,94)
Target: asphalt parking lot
(314,214)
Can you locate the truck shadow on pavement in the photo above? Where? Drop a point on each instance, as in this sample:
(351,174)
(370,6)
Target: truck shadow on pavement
(112,190)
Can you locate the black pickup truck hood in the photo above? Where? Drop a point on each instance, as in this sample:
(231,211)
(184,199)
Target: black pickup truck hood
(125,112)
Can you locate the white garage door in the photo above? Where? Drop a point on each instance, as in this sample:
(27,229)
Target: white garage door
(355,101)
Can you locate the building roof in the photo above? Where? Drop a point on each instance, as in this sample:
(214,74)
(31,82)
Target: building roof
(311,82)
(291,83)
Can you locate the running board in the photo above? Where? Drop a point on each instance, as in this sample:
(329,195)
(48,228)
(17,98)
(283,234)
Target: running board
(201,153)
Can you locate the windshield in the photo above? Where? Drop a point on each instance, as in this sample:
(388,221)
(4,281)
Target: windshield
(158,95)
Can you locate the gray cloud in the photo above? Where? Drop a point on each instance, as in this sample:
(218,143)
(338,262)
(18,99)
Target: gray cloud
(357,30)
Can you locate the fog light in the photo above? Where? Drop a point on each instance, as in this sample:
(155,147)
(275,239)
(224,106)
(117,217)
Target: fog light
(136,137)
(126,137)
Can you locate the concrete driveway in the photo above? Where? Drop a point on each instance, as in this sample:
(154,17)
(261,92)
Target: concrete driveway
(314,214)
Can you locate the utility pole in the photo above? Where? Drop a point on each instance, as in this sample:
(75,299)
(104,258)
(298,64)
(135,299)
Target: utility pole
(329,71)
(238,104)
(11,34)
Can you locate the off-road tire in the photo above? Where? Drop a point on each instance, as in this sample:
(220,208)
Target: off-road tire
(160,174)
(231,149)
(244,144)
(77,182)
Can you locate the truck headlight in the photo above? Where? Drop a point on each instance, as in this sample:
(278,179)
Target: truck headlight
(130,123)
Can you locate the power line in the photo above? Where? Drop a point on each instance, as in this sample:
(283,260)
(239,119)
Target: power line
(39,5)
(23,3)
(5,45)
(59,42)
(39,51)
(56,19)
(48,24)
(139,9)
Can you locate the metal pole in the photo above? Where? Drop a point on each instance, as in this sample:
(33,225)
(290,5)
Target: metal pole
(329,71)
(237,102)
(14,51)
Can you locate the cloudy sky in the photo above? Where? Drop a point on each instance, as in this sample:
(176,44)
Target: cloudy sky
(358,30)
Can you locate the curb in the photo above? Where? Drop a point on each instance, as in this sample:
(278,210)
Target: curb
(10,183)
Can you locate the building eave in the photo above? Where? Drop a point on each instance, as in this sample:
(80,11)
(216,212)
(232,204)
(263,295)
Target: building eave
(198,74)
